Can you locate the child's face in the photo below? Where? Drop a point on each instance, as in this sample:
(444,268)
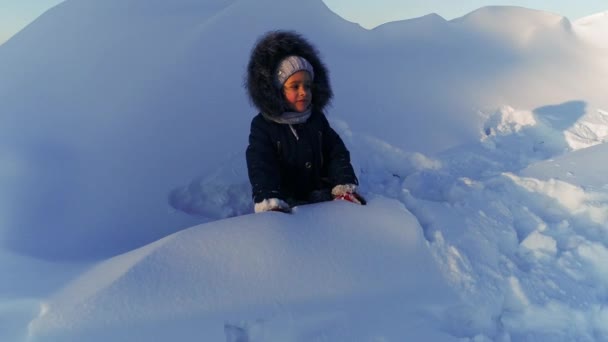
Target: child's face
(297,90)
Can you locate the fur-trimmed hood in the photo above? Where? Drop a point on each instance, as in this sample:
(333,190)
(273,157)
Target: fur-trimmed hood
(266,55)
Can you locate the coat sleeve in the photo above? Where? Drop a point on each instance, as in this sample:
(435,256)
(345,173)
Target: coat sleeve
(337,156)
(262,163)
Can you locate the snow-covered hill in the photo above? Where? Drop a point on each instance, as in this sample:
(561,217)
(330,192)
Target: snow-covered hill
(279,276)
(131,102)
(478,140)
(594,29)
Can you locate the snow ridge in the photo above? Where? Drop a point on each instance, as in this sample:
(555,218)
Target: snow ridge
(470,201)
(261,268)
(479,143)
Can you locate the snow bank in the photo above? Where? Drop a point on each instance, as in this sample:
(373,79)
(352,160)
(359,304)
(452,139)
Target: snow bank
(526,26)
(594,29)
(25,282)
(132,100)
(528,245)
(583,167)
(125,121)
(329,271)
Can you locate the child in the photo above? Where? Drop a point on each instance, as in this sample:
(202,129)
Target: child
(294,157)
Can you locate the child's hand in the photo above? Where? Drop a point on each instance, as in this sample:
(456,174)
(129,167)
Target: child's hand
(347,192)
(352,197)
(272,204)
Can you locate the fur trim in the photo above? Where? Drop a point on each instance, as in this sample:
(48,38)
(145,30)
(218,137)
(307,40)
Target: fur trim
(271,204)
(265,57)
(343,189)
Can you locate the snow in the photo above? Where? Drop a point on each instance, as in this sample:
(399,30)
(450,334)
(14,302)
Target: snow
(593,28)
(125,207)
(251,267)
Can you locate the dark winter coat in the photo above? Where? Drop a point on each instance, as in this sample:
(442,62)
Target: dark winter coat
(279,164)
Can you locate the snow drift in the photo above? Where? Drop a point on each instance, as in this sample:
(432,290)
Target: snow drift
(260,268)
(124,122)
(111,106)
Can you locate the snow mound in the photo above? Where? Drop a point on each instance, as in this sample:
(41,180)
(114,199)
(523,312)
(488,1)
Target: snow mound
(529,243)
(345,262)
(568,124)
(137,98)
(575,168)
(111,109)
(522,22)
(594,29)
(530,250)
(224,193)
(425,27)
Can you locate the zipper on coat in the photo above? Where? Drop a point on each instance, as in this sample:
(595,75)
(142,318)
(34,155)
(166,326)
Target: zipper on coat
(293,131)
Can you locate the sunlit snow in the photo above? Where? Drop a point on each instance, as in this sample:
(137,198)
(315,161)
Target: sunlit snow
(125,210)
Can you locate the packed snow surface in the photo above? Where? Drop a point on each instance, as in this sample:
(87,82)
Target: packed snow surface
(125,210)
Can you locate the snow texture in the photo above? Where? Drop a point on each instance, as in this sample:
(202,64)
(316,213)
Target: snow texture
(125,210)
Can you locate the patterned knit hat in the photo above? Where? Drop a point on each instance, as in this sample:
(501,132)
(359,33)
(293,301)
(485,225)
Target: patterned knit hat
(290,65)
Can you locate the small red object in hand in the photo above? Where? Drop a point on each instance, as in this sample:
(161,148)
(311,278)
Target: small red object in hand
(351,197)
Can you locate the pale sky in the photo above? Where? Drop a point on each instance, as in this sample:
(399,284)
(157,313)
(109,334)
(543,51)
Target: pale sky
(16,14)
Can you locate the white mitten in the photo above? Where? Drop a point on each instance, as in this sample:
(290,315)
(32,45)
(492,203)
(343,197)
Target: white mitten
(347,192)
(272,204)
(343,189)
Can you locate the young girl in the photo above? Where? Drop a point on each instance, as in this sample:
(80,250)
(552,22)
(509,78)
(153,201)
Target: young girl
(294,157)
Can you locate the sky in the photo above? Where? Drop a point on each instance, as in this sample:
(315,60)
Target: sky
(16,14)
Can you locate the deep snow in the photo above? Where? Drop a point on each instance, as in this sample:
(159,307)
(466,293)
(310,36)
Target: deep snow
(479,141)
(304,272)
